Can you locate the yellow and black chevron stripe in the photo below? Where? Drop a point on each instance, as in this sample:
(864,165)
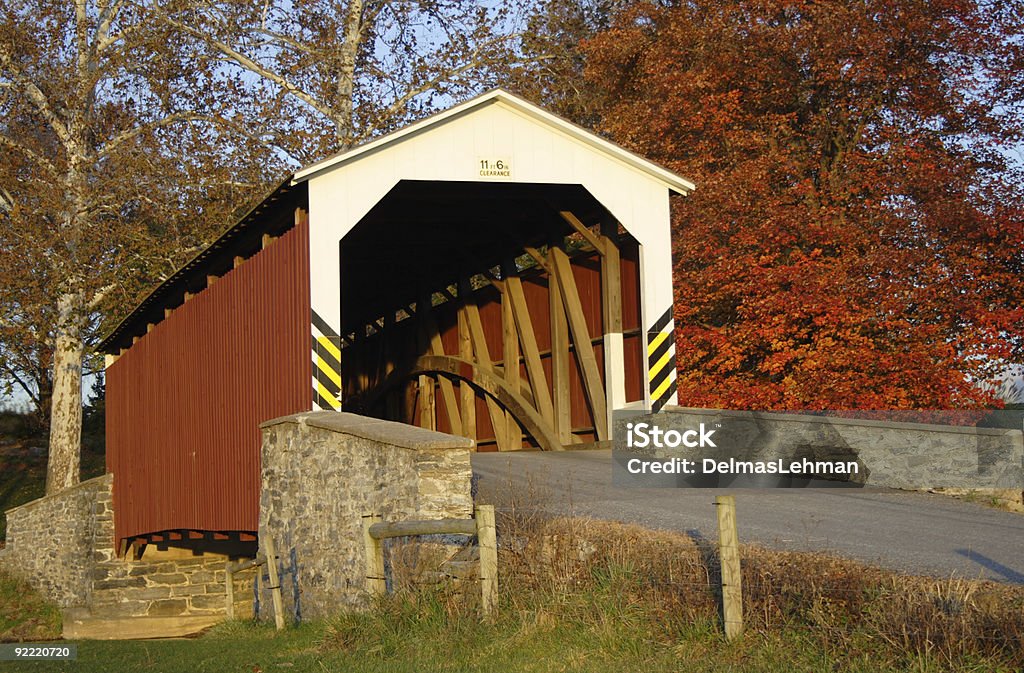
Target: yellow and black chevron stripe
(326,365)
(661,361)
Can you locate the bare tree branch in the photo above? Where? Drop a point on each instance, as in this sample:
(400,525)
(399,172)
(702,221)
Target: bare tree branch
(111,145)
(38,99)
(250,64)
(45,163)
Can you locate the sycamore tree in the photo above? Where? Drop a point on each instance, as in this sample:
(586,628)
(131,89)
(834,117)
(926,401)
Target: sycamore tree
(857,236)
(332,73)
(110,174)
(131,128)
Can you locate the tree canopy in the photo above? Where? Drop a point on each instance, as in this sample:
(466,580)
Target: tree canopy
(857,236)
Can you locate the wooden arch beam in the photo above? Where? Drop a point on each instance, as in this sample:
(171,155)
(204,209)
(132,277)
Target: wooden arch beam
(493,385)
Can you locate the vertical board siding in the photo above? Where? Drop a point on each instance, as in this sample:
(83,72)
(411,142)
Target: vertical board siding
(185,402)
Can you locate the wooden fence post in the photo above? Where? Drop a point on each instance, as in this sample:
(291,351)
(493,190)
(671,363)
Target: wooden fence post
(728,551)
(376,582)
(229,589)
(275,584)
(487,541)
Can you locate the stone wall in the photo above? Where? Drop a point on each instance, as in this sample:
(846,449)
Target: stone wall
(56,541)
(322,472)
(63,545)
(168,582)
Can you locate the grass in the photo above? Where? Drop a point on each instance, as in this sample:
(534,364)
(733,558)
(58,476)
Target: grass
(24,615)
(579,595)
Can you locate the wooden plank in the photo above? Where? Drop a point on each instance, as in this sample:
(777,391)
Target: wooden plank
(538,257)
(611,313)
(732,578)
(275,584)
(483,359)
(486,537)
(510,357)
(611,286)
(376,580)
(424,384)
(435,346)
(427,406)
(229,592)
(561,406)
(466,392)
(248,563)
(382,530)
(531,353)
(583,229)
(592,384)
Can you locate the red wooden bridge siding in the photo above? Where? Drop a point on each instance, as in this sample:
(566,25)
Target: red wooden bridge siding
(186,401)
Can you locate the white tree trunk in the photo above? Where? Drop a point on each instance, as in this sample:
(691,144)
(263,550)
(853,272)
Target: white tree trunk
(63,468)
(345,108)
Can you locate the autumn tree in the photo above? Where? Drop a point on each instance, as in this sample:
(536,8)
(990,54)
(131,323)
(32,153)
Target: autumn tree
(857,236)
(551,69)
(98,112)
(335,72)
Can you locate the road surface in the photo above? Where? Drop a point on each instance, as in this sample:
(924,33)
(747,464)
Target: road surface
(916,533)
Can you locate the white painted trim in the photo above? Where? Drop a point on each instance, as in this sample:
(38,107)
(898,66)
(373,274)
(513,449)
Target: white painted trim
(669,179)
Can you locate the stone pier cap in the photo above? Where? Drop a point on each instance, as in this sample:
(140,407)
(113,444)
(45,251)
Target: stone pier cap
(374,429)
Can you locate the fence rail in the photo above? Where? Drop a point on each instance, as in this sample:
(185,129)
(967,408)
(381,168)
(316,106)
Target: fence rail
(482,525)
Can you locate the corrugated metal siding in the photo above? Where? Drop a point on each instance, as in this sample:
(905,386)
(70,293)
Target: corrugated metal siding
(185,402)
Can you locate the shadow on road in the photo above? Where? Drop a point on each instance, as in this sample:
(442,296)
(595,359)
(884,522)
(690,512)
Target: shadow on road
(1010,574)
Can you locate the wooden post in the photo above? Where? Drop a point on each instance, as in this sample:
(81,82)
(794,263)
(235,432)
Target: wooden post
(562,407)
(510,359)
(229,590)
(275,584)
(431,338)
(426,403)
(728,551)
(376,582)
(487,541)
(611,310)
(466,392)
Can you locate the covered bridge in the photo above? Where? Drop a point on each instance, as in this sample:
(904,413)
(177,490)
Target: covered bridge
(492,271)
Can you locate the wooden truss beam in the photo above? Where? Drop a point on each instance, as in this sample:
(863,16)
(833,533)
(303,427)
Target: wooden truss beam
(495,388)
(483,358)
(528,340)
(562,405)
(429,333)
(584,230)
(510,359)
(581,341)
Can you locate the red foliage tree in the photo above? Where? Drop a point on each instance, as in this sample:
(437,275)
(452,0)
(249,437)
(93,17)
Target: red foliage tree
(857,236)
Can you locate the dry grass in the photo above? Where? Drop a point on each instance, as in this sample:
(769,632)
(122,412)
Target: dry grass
(673,579)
